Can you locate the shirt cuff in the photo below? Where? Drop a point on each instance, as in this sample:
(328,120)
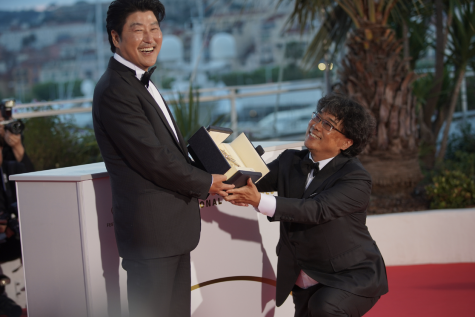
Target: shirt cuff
(267,205)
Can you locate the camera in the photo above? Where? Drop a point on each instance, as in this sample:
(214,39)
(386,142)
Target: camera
(12,125)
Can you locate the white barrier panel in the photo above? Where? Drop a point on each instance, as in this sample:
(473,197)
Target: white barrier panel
(72,267)
(424,237)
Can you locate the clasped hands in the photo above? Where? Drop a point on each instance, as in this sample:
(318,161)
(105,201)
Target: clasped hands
(243,196)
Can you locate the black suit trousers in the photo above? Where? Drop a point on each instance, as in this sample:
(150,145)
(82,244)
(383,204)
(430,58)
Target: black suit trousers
(159,287)
(324,301)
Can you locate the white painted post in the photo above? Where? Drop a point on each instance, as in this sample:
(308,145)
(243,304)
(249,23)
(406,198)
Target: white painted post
(234,118)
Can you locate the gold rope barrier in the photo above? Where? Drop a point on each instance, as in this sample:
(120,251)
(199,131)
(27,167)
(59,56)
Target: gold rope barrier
(235,278)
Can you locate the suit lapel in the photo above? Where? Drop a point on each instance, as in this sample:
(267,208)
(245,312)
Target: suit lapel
(181,144)
(178,132)
(129,76)
(333,166)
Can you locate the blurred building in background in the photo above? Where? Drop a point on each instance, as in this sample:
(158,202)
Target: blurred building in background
(203,40)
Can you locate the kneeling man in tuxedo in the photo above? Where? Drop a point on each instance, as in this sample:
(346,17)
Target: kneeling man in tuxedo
(326,256)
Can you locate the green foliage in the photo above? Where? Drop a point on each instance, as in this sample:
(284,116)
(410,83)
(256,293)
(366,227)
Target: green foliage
(50,90)
(460,46)
(453,184)
(187,114)
(451,189)
(51,143)
(418,17)
(167,82)
(336,23)
(463,162)
(421,88)
(471,90)
(461,144)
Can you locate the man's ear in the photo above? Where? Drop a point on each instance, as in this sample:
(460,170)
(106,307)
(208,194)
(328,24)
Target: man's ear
(346,144)
(115,38)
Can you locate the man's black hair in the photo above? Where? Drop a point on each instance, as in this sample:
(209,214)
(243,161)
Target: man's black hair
(119,10)
(358,124)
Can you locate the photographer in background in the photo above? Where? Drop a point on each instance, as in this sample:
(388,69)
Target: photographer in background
(11,136)
(10,246)
(13,160)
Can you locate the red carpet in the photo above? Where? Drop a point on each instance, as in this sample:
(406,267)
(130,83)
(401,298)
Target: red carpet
(436,290)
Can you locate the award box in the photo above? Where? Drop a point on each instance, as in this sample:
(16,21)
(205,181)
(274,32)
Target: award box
(238,160)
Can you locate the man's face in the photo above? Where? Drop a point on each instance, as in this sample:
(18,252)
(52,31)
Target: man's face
(325,144)
(141,39)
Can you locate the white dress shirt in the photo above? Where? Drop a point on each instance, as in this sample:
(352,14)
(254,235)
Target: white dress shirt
(151,89)
(267,207)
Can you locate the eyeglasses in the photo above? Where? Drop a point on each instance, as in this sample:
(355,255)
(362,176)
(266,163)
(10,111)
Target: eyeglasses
(325,124)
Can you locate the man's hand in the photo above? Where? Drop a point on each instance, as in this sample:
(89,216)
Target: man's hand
(14,141)
(245,195)
(218,187)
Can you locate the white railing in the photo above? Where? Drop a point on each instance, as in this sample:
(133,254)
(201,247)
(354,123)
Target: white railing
(231,93)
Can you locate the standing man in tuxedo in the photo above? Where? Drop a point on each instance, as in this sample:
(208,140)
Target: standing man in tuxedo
(155,187)
(326,256)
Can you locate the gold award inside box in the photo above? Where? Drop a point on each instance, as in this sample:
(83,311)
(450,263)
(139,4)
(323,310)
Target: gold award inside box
(240,154)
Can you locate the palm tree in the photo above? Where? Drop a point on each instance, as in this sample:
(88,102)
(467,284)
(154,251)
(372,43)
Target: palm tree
(374,73)
(461,46)
(434,105)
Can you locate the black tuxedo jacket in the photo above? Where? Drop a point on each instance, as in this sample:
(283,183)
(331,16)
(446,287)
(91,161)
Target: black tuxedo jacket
(155,189)
(323,228)
(8,196)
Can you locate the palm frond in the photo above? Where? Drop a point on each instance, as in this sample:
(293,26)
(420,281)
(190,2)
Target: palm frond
(387,10)
(352,9)
(333,29)
(461,45)
(307,11)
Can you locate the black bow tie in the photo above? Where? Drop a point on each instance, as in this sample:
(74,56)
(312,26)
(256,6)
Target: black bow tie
(145,79)
(308,165)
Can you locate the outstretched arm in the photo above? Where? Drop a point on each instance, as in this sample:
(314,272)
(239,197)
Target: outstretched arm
(244,195)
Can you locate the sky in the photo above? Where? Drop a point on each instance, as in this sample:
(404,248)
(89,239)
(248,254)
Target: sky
(32,4)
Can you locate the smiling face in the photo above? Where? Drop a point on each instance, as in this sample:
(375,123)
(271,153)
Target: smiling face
(141,39)
(325,144)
